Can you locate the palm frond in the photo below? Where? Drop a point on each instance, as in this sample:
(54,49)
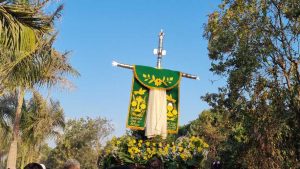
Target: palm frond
(22,31)
(42,119)
(45,67)
(18,28)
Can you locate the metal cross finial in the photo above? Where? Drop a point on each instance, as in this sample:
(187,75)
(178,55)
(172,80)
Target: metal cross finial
(160,52)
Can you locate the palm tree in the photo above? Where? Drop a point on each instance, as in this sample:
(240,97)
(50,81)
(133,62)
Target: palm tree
(7,108)
(42,120)
(25,68)
(42,70)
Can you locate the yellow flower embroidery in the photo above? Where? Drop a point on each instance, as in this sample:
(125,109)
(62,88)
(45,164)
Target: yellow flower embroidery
(143,106)
(138,105)
(170,98)
(157,82)
(171,111)
(140,92)
(133,103)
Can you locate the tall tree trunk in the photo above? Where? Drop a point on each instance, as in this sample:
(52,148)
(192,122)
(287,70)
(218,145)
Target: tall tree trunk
(24,155)
(12,154)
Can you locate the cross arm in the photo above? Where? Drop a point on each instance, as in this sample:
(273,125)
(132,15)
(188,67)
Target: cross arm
(186,75)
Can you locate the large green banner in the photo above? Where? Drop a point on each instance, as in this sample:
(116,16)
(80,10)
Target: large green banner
(146,78)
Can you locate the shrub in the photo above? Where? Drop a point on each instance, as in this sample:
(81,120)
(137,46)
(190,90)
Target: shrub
(185,152)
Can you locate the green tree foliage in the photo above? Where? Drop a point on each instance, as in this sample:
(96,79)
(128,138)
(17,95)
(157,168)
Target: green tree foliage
(212,127)
(27,57)
(7,109)
(24,30)
(82,140)
(21,26)
(255,45)
(41,120)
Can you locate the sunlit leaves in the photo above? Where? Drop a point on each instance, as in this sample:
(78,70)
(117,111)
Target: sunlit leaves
(255,45)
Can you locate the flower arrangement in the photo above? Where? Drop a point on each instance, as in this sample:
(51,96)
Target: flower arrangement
(184,152)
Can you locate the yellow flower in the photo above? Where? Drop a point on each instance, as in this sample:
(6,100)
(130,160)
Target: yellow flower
(173,149)
(183,156)
(147,143)
(199,149)
(158,82)
(191,145)
(180,149)
(166,150)
(205,145)
(153,150)
(160,150)
(139,144)
(130,143)
(136,150)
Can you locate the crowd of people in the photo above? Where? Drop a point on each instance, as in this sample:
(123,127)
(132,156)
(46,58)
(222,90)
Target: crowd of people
(70,164)
(74,164)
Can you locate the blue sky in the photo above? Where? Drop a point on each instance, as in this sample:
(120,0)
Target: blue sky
(100,31)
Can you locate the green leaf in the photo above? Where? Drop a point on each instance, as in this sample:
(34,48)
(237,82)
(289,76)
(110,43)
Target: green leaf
(125,158)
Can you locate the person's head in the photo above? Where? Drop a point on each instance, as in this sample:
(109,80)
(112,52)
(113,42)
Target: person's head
(72,164)
(33,166)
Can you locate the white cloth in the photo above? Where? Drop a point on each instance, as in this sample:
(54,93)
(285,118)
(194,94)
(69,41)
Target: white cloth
(156,118)
(43,166)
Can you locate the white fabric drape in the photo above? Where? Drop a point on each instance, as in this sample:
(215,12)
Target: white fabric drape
(156,118)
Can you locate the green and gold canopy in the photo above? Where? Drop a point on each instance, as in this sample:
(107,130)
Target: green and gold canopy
(146,78)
